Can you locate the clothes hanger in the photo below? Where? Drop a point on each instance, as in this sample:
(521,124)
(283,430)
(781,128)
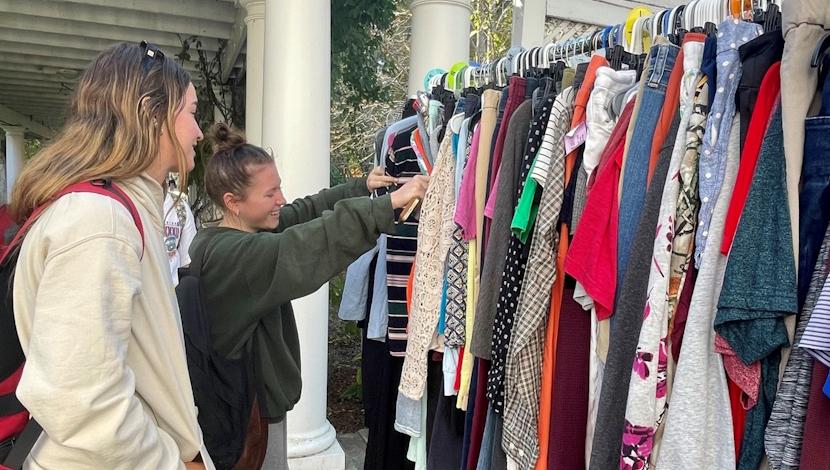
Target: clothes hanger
(713,15)
(704,11)
(533,60)
(546,55)
(595,38)
(687,17)
(578,48)
(525,65)
(638,36)
(515,63)
(606,32)
(674,27)
(654,24)
(821,50)
(772,21)
(468,76)
(671,19)
(503,68)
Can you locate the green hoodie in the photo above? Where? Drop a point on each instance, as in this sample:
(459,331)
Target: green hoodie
(250,279)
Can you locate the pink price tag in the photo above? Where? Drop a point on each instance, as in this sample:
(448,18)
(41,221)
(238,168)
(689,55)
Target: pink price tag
(575,137)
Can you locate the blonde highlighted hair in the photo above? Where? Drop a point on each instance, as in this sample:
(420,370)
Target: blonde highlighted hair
(123,103)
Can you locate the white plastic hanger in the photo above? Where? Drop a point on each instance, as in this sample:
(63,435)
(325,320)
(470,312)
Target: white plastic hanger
(516,61)
(546,58)
(501,72)
(638,35)
(686,16)
(468,76)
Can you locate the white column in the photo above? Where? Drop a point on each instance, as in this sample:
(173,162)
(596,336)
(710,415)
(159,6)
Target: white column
(529,23)
(440,37)
(15,152)
(296,125)
(254,67)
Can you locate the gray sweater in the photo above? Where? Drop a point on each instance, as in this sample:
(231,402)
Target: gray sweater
(493,266)
(625,333)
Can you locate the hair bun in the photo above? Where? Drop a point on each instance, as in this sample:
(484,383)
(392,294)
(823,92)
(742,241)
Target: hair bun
(225,137)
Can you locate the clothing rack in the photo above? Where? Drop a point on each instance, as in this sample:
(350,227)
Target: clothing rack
(641,25)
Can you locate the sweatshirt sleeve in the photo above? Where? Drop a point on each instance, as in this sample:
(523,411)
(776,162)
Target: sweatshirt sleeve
(278,268)
(310,207)
(76,382)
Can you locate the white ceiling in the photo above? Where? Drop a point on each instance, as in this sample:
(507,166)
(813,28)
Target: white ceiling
(45,44)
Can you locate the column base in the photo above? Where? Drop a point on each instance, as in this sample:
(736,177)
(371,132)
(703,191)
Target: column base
(333,458)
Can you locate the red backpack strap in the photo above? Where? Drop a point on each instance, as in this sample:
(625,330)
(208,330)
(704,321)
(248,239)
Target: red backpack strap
(104,187)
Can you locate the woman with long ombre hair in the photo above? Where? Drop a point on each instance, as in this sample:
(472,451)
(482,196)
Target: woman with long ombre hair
(106,374)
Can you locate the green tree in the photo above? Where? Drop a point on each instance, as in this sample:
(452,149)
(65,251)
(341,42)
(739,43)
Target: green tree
(357,61)
(360,70)
(490,26)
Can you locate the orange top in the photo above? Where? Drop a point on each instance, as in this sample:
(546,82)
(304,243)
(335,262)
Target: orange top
(552,331)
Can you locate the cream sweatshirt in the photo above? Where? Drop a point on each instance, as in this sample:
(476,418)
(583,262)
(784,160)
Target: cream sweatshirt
(106,374)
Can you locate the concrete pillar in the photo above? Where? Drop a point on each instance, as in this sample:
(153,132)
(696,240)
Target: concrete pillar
(296,123)
(254,67)
(15,155)
(440,37)
(529,23)
(3,196)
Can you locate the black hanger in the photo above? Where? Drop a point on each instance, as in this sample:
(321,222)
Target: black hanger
(773,18)
(616,57)
(710,28)
(677,32)
(820,50)
(558,71)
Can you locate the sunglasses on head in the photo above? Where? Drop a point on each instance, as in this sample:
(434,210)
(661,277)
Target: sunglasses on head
(152,54)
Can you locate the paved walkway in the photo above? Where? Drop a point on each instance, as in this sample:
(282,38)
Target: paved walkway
(354,445)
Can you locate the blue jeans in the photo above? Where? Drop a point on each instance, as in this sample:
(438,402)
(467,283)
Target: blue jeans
(814,205)
(661,62)
(379,309)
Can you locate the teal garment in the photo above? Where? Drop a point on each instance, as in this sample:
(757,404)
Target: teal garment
(442,314)
(759,287)
(250,279)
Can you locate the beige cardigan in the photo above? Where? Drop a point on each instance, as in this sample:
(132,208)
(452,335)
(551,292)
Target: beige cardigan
(106,374)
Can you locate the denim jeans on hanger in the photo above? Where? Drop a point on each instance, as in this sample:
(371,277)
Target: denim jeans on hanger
(635,176)
(379,308)
(815,192)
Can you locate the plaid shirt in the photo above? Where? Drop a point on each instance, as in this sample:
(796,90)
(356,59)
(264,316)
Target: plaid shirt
(524,361)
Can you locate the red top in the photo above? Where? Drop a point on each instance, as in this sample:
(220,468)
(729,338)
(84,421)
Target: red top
(592,257)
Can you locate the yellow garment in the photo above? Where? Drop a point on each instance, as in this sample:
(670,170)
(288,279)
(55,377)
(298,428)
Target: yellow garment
(467,361)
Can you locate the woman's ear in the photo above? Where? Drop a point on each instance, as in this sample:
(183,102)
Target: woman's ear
(231,203)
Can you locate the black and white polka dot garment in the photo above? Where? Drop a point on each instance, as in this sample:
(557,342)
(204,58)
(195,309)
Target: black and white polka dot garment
(514,270)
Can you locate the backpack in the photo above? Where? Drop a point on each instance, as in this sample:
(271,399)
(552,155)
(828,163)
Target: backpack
(223,388)
(18,433)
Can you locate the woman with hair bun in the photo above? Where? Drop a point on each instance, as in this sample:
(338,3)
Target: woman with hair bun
(266,253)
